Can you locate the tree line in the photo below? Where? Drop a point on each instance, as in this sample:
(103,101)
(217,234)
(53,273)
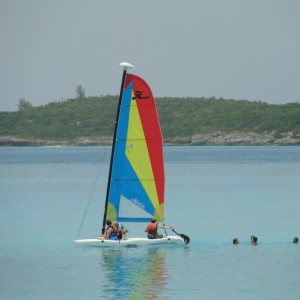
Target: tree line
(179,117)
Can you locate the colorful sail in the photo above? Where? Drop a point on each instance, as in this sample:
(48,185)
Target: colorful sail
(137,182)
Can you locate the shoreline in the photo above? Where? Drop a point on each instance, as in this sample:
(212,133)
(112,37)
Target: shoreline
(210,139)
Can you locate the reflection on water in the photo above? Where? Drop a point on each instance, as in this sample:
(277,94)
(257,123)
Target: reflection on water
(135,273)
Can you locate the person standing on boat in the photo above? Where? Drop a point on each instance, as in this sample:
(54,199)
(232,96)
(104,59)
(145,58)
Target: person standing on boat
(111,232)
(151,230)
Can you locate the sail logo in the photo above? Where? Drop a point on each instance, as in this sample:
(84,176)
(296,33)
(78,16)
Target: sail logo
(139,95)
(138,203)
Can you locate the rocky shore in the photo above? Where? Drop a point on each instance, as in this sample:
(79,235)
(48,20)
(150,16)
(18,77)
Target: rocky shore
(237,139)
(10,141)
(210,139)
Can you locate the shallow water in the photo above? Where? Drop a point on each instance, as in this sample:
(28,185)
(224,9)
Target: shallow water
(212,194)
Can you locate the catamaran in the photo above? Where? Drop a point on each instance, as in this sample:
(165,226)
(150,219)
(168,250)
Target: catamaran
(136,174)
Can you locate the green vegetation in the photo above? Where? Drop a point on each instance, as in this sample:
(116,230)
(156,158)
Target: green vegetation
(179,117)
(189,116)
(80,92)
(24,104)
(62,120)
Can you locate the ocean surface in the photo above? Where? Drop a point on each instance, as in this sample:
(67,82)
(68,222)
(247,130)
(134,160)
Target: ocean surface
(51,195)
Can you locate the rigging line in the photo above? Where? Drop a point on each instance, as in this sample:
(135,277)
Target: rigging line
(165,228)
(89,201)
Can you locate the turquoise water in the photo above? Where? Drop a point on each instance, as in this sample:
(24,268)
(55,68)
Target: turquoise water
(213,194)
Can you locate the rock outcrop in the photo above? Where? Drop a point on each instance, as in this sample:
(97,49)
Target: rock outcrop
(209,139)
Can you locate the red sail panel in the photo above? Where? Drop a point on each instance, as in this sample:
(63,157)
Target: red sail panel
(149,117)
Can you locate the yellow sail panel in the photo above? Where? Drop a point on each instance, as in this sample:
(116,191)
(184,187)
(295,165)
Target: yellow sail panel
(137,154)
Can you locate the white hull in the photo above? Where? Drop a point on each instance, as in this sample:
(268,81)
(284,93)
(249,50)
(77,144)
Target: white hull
(132,242)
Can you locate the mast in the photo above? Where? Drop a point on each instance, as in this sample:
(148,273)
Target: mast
(125,66)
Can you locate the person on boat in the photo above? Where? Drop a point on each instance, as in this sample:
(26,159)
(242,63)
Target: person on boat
(121,230)
(151,230)
(235,241)
(295,240)
(254,240)
(111,232)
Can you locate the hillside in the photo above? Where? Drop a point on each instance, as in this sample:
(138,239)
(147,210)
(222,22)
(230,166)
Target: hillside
(184,121)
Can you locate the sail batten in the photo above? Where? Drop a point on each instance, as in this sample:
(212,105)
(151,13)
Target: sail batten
(142,179)
(138,168)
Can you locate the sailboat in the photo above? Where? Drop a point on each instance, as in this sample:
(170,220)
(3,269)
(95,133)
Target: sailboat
(136,178)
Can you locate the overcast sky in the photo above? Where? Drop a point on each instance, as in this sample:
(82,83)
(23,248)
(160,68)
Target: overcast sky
(234,49)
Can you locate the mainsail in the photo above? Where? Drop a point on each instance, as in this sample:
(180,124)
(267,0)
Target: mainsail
(137,178)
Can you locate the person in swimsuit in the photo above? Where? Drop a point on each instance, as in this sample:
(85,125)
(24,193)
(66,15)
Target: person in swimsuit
(254,240)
